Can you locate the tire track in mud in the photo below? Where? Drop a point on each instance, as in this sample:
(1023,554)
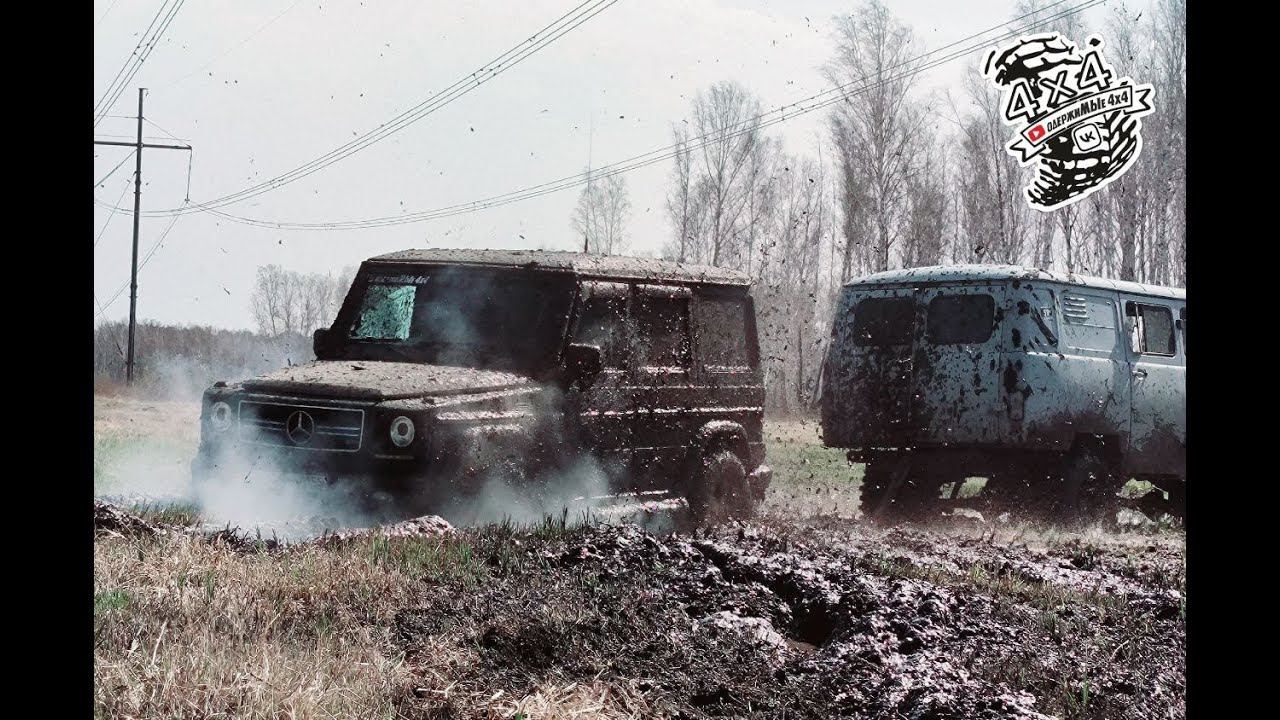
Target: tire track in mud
(802,620)
(766,622)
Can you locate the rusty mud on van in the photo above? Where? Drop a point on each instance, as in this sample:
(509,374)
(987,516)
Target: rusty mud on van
(1055,388)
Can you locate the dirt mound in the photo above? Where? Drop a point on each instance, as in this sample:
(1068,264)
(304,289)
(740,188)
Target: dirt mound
(112,519)
(804,622)
(425,526)
(109,519)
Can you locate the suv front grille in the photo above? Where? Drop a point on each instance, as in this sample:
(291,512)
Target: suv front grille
(306,427)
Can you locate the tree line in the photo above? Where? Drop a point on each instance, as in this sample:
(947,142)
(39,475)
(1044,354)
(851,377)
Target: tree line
(907,178)
(899,178)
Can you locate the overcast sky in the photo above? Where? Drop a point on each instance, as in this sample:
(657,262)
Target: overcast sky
(259,87)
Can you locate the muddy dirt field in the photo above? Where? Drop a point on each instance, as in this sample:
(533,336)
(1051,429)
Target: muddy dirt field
(800,614)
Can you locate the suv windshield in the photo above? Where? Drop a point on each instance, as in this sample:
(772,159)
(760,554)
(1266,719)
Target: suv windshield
(458,316)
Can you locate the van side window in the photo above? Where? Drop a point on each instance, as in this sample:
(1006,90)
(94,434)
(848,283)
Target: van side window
(722,332)
(602,324)
(960,319)
(662,327)
(1089,322)
(883,321)
(1153,330)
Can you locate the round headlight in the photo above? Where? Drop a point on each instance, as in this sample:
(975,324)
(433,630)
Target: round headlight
(220,416)
(402,431)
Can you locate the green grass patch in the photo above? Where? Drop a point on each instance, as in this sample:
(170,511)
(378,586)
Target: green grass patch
(110,600)
(806,463)
(180,514)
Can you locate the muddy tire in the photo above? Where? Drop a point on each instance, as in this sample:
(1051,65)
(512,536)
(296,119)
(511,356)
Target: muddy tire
(887,498)
(719,490)
(1024,488)
(1090,487)
(1177,490)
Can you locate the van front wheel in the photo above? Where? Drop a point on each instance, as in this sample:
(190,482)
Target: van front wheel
(1090,487)
(719,490)
(900,489)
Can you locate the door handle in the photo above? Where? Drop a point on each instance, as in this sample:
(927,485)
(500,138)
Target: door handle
(1140,373)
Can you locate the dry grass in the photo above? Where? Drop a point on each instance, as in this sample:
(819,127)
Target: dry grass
(185,628)
(193,630)
(117,416)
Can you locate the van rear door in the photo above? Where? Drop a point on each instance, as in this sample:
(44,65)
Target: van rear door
(867,379)
(956,365)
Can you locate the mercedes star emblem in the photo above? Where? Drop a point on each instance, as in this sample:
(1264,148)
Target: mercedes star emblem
(300,427)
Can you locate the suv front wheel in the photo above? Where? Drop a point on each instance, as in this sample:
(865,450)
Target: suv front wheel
(719,490)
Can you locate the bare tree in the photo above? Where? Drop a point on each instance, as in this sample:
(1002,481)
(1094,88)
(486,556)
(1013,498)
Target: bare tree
(727,119)
(284,302)
(924,236)
(878,125)
(269,300)
(601,213)
(994,214)
(683,207)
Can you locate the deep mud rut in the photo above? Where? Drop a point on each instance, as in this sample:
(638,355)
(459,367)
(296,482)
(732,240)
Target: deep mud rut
(812,619)
(821,622)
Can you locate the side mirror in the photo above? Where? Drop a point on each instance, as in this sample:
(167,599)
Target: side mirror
(320,341)
(582,363)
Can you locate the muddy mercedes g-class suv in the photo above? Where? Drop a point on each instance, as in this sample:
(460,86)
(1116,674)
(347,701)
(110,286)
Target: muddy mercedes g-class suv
(1054,388)
(447,369)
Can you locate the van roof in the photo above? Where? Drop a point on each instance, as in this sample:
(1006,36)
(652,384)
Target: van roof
(578,263)
(968,273)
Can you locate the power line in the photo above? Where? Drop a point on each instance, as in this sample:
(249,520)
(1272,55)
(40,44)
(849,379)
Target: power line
(106,13)
(779,115)
(507,60)
(150,122)
(234,48)
(147,138)
(139,56)
(114,169)
(150,252)
(113,213)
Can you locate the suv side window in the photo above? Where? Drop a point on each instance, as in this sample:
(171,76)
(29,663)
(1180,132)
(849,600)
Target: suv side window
(662,332)
(722,333)
(603,323)
(1152,330)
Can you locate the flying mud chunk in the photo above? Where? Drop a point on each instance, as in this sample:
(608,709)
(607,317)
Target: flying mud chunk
(486,385)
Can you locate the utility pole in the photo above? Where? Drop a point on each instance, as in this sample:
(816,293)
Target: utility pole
(137,215)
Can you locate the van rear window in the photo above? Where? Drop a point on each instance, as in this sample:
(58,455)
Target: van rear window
(883,321)
(961,319)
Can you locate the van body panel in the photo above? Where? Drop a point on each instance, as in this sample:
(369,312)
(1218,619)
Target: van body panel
(957,351)
(1158,441)
(867,390)
(1072,374)
(1063,361)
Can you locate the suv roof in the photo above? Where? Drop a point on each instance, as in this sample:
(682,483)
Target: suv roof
(578,263)
(965,273)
